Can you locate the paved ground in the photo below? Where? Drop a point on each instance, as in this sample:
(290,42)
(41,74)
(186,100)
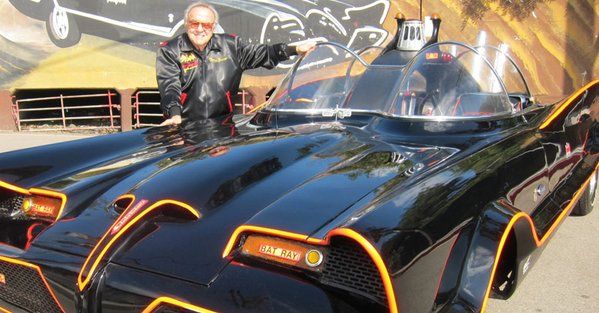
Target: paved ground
(565,279)
(13,141)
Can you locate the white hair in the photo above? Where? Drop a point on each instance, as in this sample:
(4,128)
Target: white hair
(200,4)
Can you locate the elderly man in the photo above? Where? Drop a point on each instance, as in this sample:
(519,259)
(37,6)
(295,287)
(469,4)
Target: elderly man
(199,71)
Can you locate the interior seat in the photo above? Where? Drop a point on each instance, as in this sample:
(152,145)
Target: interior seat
(480,104)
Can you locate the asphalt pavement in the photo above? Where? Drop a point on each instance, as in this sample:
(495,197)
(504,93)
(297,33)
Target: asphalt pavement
(565,279)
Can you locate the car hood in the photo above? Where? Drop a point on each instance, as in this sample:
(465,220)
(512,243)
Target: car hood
(297,180)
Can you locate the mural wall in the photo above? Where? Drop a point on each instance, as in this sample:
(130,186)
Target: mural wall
(112,43)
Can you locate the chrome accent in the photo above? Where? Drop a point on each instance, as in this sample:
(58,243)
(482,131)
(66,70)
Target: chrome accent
(593,187)
(336,112)
(412,36)
(513,63)
(539,192)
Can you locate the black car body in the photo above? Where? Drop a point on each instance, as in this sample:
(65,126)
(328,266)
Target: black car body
(386,181)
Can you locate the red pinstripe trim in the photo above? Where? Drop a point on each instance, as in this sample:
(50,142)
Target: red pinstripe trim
(30,235)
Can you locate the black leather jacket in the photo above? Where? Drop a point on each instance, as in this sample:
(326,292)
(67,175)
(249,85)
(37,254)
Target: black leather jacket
(199,84)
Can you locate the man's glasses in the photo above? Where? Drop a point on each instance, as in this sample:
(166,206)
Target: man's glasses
(197,25)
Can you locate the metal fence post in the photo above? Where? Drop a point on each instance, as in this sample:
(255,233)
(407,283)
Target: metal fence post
(126,108)
(243,104)
(110,108)
(136,104)
(64,121)
(7,119)
(16,112)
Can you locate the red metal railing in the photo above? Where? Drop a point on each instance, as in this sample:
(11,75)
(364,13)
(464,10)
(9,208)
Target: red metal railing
(57,103)
(146,107)
(245,105)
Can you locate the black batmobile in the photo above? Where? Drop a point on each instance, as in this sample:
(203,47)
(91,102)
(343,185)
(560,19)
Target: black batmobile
(378,183)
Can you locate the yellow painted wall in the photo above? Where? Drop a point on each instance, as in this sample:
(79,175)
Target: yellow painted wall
(556,43)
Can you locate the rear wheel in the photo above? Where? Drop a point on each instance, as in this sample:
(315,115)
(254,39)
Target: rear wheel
(62,28)
(585,203)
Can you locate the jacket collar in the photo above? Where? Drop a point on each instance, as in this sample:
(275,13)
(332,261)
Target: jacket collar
(187,46)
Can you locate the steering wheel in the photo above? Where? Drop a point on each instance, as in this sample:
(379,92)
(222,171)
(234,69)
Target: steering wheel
(424,103)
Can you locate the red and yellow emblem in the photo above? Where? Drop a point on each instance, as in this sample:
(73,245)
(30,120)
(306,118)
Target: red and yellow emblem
(188,61)
(2,279)
(277,250)
(128,215)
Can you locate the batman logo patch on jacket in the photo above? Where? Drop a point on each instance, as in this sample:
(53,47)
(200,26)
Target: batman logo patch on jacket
(190,65)
(187,57)
(188,61)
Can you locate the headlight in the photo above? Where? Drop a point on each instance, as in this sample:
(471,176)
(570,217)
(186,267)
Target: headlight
(17,202)
(314,258)
(41,207)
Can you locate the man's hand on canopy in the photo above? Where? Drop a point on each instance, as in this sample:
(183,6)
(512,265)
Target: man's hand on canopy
(305,47)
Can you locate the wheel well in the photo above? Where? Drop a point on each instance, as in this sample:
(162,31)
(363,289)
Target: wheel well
(504,281)
(501,237)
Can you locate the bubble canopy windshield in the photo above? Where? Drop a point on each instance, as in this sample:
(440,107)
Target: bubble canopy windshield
(446,80)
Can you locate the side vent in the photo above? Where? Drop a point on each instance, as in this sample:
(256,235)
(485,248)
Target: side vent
(122,203)
(350,268)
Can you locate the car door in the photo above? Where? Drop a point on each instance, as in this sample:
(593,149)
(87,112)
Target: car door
(527,173)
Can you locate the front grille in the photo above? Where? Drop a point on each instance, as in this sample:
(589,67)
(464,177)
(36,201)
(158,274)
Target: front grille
(349,267)
(9,205)
(23,286)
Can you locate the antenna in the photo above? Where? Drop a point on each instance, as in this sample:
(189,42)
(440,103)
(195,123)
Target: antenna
(421,10)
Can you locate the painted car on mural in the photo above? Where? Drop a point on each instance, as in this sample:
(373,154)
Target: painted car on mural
(355,23)
(392,180)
